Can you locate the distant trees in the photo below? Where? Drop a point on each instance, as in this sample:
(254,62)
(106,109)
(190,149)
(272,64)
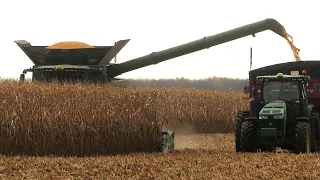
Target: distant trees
(215,83)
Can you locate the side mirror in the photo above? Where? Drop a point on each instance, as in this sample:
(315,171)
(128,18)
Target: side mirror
(246,88)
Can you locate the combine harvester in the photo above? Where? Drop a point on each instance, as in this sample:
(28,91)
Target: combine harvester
(80,61)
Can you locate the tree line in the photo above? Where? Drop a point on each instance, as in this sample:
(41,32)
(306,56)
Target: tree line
(214,83)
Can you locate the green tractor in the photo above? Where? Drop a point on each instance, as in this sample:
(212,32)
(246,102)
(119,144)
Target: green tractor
(279,116)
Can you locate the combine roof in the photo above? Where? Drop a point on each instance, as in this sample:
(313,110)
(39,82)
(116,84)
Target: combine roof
(283,77)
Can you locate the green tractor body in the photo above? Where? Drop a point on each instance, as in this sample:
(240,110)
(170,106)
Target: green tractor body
(280,116)
(272,130)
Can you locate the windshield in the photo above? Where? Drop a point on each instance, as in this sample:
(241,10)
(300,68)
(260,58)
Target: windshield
(280,90)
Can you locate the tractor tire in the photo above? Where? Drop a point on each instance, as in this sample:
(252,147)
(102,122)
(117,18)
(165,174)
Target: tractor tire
(249,135)
(315,132)
(302,141)
(238,122)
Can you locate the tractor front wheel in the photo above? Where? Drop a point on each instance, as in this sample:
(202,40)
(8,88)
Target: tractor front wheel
(248,137)
(238,122)
(302,142)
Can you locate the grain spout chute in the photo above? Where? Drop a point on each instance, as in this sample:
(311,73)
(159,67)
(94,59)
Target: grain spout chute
(203,43)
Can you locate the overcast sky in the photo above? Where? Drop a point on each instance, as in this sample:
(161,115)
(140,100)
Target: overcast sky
(158,25)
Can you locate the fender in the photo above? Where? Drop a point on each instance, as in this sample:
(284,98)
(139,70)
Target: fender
(317,124)
(302,119)
(309,110)
(254,120)
(306,115)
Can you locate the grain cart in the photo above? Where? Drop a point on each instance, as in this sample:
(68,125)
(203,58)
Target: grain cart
(289,121)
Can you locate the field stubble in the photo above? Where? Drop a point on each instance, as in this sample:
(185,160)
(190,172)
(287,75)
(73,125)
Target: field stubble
(202,156)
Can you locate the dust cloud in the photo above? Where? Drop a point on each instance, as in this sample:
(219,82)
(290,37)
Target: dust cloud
(187,138)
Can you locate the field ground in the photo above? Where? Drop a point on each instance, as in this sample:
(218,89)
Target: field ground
(196,157)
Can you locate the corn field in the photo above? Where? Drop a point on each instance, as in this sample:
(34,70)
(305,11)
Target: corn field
(86,119)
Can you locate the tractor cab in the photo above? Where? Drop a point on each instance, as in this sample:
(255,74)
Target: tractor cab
(282,95)
(274,90)
(287,88)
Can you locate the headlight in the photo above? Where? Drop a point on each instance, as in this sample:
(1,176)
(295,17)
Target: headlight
(278,116)
(59,67)
(263,117)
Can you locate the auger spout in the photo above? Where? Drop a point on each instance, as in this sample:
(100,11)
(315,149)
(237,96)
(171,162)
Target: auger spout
(200,44)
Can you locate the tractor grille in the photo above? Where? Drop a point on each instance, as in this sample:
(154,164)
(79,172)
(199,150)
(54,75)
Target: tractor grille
(266,111)
(271,123)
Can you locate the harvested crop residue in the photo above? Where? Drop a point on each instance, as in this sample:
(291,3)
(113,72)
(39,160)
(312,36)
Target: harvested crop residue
(293,47)
(217,161)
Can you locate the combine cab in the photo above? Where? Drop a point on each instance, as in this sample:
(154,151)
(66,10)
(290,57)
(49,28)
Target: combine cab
(284,109)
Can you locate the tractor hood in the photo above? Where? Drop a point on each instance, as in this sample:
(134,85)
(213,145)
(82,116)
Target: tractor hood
(275,108)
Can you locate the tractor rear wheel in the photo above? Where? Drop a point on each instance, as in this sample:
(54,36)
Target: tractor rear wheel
(248,137)
(238,122)
(302,141)
(315,132)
